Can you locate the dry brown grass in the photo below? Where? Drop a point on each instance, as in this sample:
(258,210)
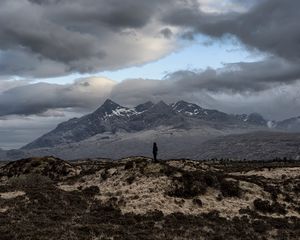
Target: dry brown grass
(134,199)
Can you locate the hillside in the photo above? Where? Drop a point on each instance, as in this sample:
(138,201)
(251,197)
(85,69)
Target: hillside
(197,143)
(134,198)
(254,145)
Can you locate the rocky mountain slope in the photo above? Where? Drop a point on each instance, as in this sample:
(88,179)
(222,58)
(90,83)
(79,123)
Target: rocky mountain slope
(292,124)
(134,198)
(113,118)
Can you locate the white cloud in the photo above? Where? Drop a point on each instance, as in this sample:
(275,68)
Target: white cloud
(222,6)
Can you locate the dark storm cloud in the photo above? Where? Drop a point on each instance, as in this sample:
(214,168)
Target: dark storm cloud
(240,77)
(32,99)
(46,38)
(73,36)
(166,32)
(271,26)
(41,97)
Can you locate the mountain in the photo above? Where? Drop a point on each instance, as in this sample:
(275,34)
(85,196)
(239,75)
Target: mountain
(2,154)
(195,111)
(253,118)
(181,129)
(291,124)
(112,118)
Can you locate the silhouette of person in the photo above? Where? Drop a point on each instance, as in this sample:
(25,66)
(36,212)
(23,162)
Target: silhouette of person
(155,150)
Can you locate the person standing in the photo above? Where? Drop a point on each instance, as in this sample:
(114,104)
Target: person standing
(155,150)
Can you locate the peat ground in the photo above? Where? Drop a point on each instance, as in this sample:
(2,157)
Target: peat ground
(134,198)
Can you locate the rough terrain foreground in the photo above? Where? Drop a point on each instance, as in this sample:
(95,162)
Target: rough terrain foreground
(134,198)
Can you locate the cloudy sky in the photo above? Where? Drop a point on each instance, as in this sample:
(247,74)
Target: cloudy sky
(62,58)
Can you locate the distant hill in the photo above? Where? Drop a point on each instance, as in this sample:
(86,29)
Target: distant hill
(254,146)
(291,124)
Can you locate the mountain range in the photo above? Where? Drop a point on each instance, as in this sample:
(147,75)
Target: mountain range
(181,129)
(113,118)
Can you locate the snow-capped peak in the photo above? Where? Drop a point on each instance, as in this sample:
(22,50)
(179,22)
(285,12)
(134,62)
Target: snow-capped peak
(121,112)
(186,108)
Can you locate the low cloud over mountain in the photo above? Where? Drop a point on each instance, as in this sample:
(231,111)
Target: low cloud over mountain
(279,102)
